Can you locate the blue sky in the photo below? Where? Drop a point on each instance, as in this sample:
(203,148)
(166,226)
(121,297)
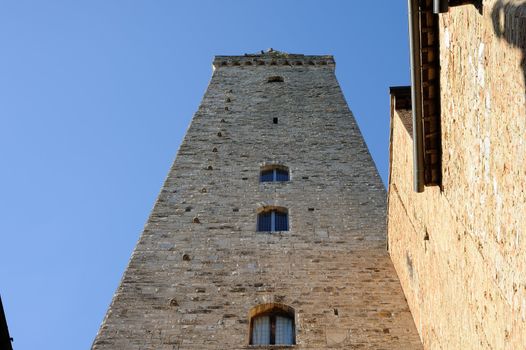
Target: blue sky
(95,97)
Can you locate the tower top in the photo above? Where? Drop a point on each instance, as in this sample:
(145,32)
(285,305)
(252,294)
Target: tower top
(274,53)
(273,57)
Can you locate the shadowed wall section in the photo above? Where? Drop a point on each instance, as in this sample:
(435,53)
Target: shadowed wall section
(460,251)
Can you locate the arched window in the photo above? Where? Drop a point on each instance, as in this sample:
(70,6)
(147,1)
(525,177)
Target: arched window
(273,219)
(274,173)
(272,324)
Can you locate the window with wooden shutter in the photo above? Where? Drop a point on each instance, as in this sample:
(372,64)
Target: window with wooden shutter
(272,324)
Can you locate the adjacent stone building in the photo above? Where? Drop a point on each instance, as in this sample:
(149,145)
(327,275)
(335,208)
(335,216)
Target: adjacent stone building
(459,243)
(270,229)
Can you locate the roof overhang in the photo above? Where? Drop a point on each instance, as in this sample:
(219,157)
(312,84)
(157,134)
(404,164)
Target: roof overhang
(425,93)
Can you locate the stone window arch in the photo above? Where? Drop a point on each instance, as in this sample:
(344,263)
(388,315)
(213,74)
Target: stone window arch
(273,219)
(274,173)
(272,324)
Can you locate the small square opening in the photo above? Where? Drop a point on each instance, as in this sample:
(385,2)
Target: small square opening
(275,120)
(275,79)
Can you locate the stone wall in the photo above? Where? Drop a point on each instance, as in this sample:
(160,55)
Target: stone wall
(200,266)
(460,251)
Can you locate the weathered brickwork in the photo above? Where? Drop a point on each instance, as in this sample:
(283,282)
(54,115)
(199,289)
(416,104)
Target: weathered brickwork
(460,251)
(200,266)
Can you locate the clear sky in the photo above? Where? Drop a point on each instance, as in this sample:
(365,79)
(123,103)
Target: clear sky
(95,97)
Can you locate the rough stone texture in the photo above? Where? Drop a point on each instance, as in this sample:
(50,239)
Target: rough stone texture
(200,265)
(460,252)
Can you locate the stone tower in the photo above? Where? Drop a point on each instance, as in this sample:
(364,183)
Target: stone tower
(270,227)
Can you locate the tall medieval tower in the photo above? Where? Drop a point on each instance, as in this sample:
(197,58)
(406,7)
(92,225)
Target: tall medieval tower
(270,228)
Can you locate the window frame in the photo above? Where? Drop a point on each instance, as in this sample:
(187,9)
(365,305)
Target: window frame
(273,211)
(273,310)
(277,171)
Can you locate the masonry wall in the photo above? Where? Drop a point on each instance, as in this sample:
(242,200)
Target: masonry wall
(191,285)
(460,251)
